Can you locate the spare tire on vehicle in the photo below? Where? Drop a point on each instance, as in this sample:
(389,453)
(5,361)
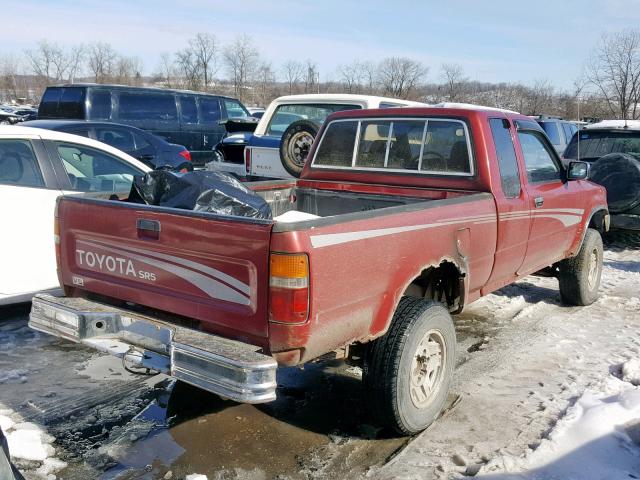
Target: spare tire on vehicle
(619,173)
(295,145)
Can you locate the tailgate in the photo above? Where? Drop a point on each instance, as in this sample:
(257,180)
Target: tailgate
(206,267)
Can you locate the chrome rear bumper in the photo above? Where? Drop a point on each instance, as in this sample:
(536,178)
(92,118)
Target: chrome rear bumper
(226,367)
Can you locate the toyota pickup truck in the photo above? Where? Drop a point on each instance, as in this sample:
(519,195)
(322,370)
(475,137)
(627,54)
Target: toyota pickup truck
(408,215)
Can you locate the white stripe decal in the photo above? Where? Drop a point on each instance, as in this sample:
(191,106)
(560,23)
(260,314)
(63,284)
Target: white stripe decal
(217,274)
(208,285)
(567,216)
(319,241)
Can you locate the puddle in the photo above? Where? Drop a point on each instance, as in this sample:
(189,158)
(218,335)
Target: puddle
(318,426)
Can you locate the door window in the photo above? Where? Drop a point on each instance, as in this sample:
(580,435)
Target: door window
(116,137)
(209,110)
(234,109)
(188,110)
(147,106)
(540,163)
(83,132)
(507,161)
(19,165)
(141,142)
(100,105)
(92,170)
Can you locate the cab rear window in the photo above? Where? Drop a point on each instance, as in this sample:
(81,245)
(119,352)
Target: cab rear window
(427,146)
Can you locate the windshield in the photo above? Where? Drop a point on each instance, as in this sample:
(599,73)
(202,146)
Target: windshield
(285,115)
(595,144)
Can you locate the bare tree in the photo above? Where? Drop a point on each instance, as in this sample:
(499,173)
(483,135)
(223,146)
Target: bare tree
(614,70)
(454,81)
(48,62)
(241,58)
(127,70)
(352,76)
(293,72)
(9,83)
(167,71)
(398,76)
(370,75)
(204,47)
(539,97)
(265,79)
(188,68)
(101,58)
(311,77)
(76,58)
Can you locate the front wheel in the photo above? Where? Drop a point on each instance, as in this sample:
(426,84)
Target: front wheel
(579,276)
(408,371)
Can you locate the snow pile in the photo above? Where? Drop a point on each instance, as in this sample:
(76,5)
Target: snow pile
(294,216)
(28,442)
(631,371)
(195,476)
(599,437)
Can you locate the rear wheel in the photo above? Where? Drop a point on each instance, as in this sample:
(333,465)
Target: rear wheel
(408,371)
(579,276)
(295,145)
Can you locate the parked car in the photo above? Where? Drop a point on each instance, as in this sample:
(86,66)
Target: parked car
(150,149)
(612,147)
(558,130)
(37,166)
(401,217)
(13,116)
(193,119)
(279,146)
(256,112)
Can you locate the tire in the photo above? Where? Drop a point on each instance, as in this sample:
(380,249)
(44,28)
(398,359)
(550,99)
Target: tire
(295,145)
(579,276)
(390,374)
(619,173)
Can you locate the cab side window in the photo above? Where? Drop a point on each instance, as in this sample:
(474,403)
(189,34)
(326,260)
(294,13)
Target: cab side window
(18,164)
(538,158)
(507,161)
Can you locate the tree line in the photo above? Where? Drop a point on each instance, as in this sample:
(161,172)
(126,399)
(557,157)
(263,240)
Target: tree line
(609,86)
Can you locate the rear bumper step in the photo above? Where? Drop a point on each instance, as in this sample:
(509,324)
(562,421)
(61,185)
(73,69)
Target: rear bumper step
(226,367)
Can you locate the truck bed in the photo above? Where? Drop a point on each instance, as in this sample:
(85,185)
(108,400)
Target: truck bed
(208,268)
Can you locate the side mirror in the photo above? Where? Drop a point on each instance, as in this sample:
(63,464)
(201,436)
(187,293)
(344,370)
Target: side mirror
(578,171)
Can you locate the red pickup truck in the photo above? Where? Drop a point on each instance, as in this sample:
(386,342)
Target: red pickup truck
(411,214)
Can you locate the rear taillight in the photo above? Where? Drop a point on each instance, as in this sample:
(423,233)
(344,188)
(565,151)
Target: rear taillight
(288,288)
(186,154)
(56,241)
(247,159)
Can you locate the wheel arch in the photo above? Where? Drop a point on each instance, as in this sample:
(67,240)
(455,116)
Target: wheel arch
(445,281)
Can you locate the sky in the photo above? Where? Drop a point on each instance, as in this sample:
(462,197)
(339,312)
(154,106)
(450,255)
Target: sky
(494,41)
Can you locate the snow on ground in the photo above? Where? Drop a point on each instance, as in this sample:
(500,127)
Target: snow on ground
(549,383)
(29,443)
(597,439)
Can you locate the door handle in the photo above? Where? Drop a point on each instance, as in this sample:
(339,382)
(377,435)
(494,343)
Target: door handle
(148,228)
(539,201)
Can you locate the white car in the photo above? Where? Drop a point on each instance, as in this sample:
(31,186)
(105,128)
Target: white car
(37,166)
(280,143)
